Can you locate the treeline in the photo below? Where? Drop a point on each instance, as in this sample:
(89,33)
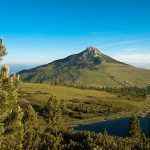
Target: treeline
(148,89)
(123,91)
(131,91)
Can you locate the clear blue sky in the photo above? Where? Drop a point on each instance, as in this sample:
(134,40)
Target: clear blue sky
(40,31)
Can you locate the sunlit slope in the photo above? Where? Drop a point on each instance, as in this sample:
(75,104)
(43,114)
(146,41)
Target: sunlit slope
(88,68)
(39,94)
(81,103)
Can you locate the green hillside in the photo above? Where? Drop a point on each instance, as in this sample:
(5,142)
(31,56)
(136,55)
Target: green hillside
(90,67)
(82,104)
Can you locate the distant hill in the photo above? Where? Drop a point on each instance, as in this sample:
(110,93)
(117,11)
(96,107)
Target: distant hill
(14,68)
(88,68)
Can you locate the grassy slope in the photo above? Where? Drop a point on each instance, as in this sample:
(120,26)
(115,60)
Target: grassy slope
(115,75)
(104,75)
(39,93)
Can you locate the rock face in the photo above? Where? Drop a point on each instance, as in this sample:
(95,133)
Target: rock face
(91,55)
(90,67)
(92,51)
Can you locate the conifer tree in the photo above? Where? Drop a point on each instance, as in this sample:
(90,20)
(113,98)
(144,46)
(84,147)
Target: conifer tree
(8,100)
(3,94)
(51,137)
(53,113)
(13,135)
(32,131)
(134,128)
(11,130)
(2,51)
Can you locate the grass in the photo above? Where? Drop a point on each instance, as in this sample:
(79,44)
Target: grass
(82,104)
(101,75)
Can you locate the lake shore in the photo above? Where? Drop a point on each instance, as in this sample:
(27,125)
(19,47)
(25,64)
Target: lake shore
(98,119)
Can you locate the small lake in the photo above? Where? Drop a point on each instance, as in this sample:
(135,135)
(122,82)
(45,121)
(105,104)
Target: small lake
(117,127)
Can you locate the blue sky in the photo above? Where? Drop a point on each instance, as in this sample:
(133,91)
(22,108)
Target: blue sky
(40,31)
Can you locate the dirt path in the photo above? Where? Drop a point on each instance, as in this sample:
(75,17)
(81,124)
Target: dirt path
(98,119)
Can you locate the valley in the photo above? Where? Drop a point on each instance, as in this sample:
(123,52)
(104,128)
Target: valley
(84,106)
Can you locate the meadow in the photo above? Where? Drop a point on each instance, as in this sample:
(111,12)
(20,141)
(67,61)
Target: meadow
(83,105)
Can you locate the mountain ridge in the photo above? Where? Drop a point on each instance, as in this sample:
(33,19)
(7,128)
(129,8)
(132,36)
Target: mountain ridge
(89,67)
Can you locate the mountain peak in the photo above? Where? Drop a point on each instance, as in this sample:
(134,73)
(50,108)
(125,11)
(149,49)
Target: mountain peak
(89,57)
(89,67)
(92,51)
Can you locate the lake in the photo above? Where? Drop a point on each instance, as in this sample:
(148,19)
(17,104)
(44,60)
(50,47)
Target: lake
(117,127)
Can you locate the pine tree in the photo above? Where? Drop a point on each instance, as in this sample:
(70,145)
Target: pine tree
(2,51)
(3,94)
(32,130)
(134,128)
(11,129)
(9,98)
(14,131)
(53,113)
(52,137)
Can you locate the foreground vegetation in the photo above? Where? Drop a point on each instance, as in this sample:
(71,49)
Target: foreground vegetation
(20,128)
